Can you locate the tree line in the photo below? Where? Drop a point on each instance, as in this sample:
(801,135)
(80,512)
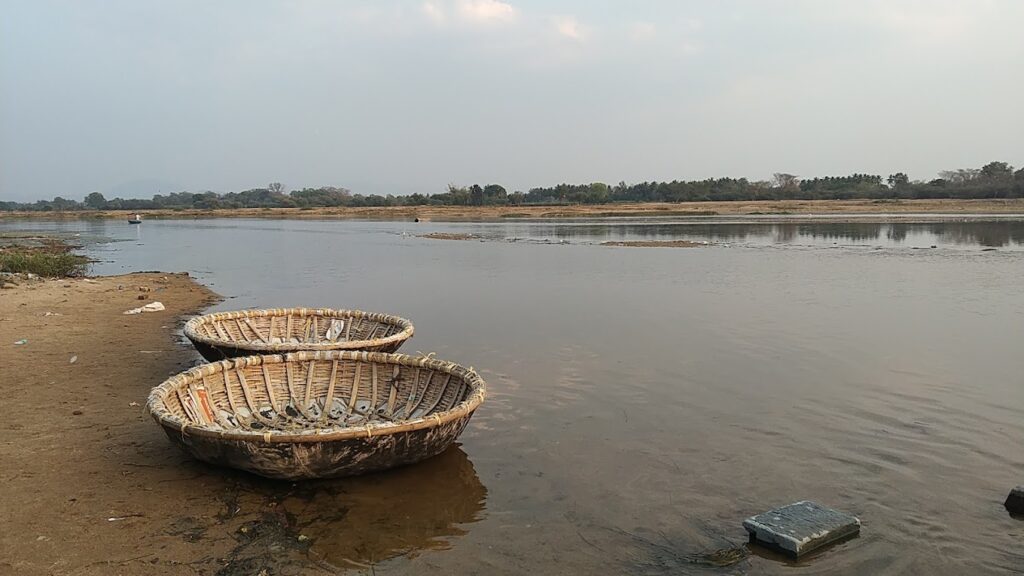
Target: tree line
(993,180)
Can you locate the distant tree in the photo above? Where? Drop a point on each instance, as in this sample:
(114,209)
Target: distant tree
(476,195)
(784,181)
(495,194)
(898,180)
(60,204)
(997,171)
(961,176)
(275,187)
(1019,175)
(96,201)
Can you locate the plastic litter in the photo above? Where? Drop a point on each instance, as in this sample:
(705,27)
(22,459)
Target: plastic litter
(335,329)
(22,341)
(151,307)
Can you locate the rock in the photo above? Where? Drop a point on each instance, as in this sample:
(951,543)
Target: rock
(1015,501)
(800,527)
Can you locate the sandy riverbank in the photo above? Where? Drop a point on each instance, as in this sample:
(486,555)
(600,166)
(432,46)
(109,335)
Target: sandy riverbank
(86,473)
(458,213)
(92,486)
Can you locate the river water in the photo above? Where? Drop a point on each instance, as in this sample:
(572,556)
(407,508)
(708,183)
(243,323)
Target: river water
(643,401)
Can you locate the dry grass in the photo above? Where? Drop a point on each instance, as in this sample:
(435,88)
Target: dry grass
(686,209)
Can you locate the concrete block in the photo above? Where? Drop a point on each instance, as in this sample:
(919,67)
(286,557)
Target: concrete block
(800,527)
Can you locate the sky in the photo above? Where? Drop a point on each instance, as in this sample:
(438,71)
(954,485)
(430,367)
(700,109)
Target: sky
(133,98)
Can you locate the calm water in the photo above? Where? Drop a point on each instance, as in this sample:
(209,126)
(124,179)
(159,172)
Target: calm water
(643,401)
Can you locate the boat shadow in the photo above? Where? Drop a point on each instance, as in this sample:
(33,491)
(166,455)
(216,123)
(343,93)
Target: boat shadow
(355,523)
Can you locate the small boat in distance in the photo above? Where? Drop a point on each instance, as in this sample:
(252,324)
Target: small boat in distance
(136,219)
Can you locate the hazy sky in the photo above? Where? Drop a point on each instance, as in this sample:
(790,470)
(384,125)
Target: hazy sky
(135,97)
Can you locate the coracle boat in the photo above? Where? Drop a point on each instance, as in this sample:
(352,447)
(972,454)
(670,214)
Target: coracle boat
(282,330)
(317,414)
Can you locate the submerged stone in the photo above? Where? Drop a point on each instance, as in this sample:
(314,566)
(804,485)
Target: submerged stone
(801,527)
(1015,501)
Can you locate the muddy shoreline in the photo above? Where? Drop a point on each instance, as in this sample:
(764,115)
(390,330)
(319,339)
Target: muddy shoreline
(766,208)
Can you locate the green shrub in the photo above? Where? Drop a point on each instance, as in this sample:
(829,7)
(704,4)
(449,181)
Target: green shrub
(42,263)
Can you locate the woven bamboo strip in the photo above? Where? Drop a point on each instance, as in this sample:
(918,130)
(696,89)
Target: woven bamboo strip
(393,396)
(373,393)
(422,395)
(270,389)
(241,331)
(231,397)
(248,323)
(355,388)
(310,371)
(412,392)
(220,330)
(440,395)
(330,390)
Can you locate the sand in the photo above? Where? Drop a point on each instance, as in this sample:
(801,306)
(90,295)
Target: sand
(87,475)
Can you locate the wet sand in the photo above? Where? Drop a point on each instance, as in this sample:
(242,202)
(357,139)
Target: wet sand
(459,213)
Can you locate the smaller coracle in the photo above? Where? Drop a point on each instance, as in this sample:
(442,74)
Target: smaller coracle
(283,330)
(317,414)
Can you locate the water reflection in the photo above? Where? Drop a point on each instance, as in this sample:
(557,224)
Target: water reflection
(965,233)
(364,520)
(977,233)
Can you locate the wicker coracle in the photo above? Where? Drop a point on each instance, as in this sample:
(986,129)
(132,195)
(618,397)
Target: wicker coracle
(317,414)
(282,330)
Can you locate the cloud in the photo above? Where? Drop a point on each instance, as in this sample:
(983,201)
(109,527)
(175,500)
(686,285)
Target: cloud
(434,12)
(569,27)
(642,31)
(486,12)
